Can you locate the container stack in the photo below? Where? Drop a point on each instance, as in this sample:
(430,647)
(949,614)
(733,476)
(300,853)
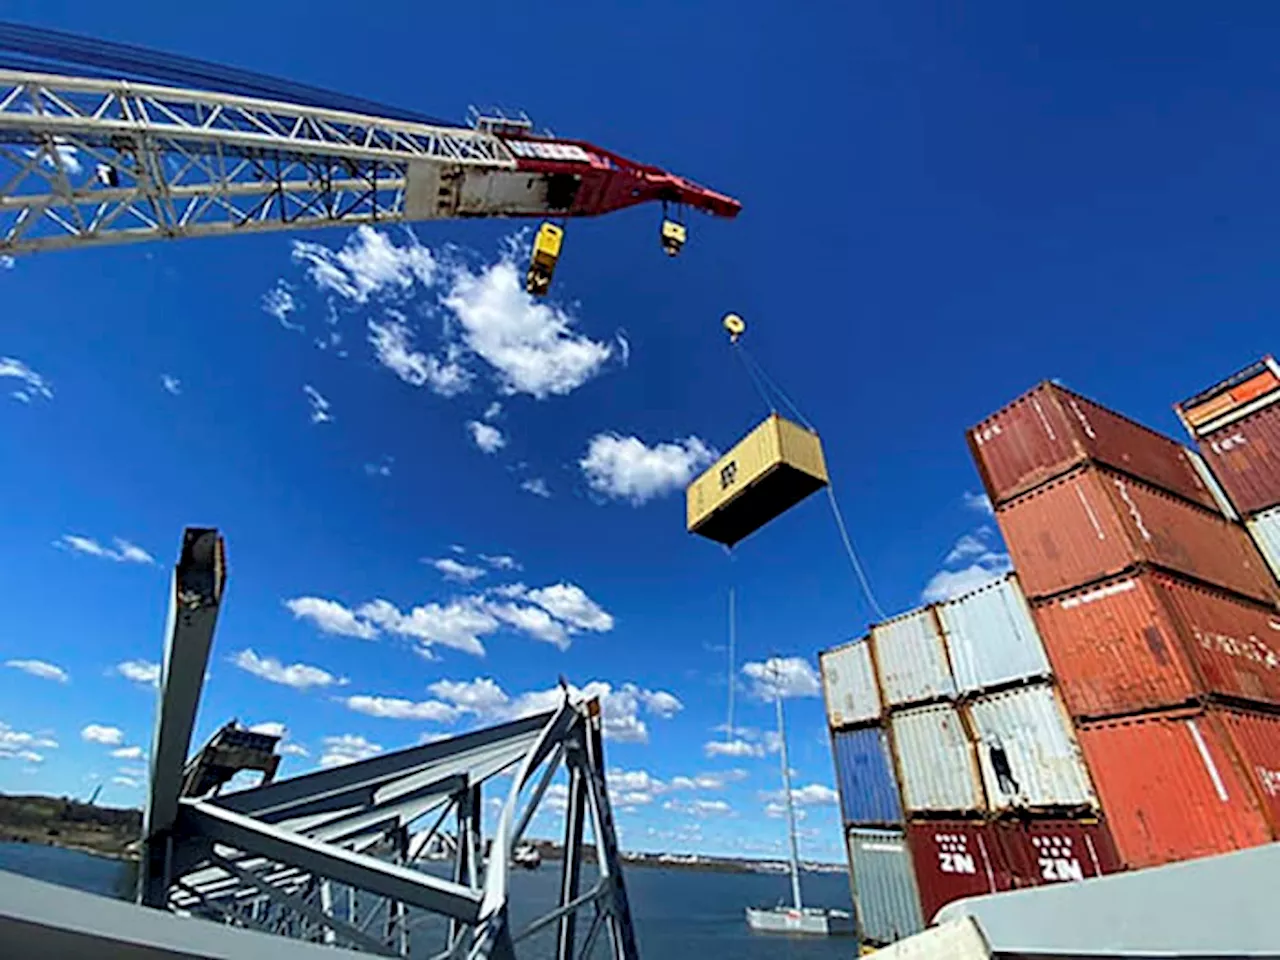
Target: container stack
(1237,426)
(1157,614)
(958,769)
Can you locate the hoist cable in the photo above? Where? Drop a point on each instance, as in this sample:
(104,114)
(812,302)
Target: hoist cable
(853,555)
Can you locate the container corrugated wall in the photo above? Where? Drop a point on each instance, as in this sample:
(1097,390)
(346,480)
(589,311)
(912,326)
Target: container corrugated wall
(912,659)
(849,684)
(1150,640)
(991,637)
(1245,456)
(1095,523)
(1042,767)
(1049,430)
(1265,529)
(864,773)
(954,859)
(936,760)
(884,885)
(1256,737)
(1171,788)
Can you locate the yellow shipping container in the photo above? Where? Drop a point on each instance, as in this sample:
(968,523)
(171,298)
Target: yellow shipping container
(771,469)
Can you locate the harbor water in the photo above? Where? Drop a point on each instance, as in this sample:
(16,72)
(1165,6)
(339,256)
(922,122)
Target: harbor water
(679,914)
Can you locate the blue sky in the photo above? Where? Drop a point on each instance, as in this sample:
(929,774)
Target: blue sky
(940,209)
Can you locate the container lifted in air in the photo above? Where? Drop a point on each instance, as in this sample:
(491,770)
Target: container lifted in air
(542,265)
(769,471)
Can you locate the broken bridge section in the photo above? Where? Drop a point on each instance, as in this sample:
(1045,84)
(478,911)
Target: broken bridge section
(334,856)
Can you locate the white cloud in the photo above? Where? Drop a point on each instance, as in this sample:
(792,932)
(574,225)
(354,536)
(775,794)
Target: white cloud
(127,753)
(777,810)
(556,798)
(33,384)
(534,621)
(624,468)
(279,303)
(571,604)
(347,748)
(967,546)
(531,345)
(620,708)
(537,486)
(493,411)
(392,343)
(300,676)
(319,405)
(140,671)
(394,708)
(292,750)
(369,264)
(132,771)
(788,676)
(946,584)
(107,736)
(171,383)
(699,808)
(661,704)
(39,668)
(501,562)
(124,552)
(30,756)
(329,616)
(129,782)
(382,469)
(458,625)
(810,795)
(452,569)
(979,502)
(486,436)
(732,748)
(16,743)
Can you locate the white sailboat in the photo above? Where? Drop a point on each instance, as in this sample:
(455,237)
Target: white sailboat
(797,918)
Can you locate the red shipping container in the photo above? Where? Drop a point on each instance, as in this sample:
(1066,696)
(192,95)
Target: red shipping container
(1049,430)
(1148,640)
(1256,737)
(1093,523)
(1041,852)
(1171,788)
(956,859)
(1245,457)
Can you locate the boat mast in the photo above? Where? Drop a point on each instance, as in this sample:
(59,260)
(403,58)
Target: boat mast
(791,814)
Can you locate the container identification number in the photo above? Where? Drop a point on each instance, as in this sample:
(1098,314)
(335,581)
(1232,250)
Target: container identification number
(987,433)
(1251,649)
(1229,443)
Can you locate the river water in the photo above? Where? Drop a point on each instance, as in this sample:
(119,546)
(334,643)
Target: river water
(679,914)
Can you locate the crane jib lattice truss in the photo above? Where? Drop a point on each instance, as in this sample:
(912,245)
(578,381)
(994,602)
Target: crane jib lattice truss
(94,161)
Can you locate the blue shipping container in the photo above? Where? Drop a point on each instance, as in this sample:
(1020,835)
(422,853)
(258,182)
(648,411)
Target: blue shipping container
(864,771)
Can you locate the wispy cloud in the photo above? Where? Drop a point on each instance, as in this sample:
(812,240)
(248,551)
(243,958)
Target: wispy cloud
(124,552)
(319,405)
(493,411)
(979,502)
(486,436)
(279,302)
(105,735)
(380,469)
(625,468)
(172,384)
(501,561)
(33,385)
(347,748)
(985,561)
(300,676)
(537,486)
(785,676)
(127,753)
(39,668)
(22,745)
(392,342)
(140,671)
(369,264)
(395,708)
(456,571)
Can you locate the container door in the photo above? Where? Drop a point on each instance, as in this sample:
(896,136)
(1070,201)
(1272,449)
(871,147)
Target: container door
(884,886)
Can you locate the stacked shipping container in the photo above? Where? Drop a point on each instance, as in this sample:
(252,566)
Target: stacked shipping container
(957,766)
(1157,614)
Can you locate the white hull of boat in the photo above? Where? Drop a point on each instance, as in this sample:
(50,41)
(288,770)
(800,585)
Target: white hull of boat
(809,921)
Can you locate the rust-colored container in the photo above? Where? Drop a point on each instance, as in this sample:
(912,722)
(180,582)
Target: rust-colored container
(1041,852)
(1149,640)
(1171,787)
(1094,522)
(1245,457)
(1256,737)
(955,859)
(1049,430)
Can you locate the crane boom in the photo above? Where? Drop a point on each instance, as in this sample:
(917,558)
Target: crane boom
(90,161)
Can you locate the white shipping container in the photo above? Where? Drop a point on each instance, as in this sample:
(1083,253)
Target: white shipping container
(849,684)
(1265,528)
(991,637)
(1028,752)
(912,659)
(936,761)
